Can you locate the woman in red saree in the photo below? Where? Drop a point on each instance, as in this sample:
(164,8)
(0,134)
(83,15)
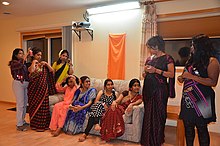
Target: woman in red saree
(41,85)
(112,123)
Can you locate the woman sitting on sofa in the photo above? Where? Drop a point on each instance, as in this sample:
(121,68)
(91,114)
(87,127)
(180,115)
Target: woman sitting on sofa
(103,101)
(82,101)
(60,109)
(112,123)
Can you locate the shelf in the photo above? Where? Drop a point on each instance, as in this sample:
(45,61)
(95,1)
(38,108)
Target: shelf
(80,29)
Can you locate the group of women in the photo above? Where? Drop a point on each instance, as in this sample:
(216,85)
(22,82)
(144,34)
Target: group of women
(106,108)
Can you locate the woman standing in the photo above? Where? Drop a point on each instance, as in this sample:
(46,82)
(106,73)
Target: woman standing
(19,73)
(62,67)
(41,85)
(82,101)
(156,91)
(200,74)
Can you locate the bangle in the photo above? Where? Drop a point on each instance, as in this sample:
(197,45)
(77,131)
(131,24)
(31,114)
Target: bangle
(162,72)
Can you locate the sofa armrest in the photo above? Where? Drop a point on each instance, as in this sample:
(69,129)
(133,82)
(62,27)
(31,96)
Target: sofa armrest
(138,114)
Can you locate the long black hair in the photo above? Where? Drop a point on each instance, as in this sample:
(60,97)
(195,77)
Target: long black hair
(14,55)
(62,52)
(203,50)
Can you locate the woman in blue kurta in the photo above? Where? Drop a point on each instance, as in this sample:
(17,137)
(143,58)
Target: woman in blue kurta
(82,101)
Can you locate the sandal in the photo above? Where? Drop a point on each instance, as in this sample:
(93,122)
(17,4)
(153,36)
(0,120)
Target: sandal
(82,138)
(56,133)
(21,128)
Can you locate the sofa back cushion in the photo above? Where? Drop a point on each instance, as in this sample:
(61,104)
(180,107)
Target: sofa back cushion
(119,85)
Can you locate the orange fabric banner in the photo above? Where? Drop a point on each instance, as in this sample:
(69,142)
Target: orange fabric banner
(116,56)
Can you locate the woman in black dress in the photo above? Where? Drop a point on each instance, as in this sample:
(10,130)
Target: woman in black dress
(200,74)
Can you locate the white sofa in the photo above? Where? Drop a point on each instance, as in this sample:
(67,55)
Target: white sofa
(133,124)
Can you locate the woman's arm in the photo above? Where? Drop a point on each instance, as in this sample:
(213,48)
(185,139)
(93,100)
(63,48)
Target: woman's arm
(98,97)
(59,88)
(213,74)
(139,101)
(180,78)
(119,99)
(48,66)
(79,108)
(70,71)
(33,66)
(169,73)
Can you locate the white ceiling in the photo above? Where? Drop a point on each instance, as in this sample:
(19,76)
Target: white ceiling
(20,8)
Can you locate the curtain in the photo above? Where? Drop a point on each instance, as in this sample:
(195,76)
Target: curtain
(149,29)
(116,56)
(67,39)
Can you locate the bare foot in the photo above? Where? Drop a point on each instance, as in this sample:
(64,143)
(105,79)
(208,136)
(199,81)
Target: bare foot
(82,138)
(97,127)
(56,133)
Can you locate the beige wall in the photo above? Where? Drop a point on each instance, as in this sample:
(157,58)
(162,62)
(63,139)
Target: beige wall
(90,57)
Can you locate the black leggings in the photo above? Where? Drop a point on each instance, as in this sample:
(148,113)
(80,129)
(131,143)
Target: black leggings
(203,133)
(92,121)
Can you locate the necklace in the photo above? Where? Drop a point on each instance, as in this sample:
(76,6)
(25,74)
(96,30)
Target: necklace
(132,98)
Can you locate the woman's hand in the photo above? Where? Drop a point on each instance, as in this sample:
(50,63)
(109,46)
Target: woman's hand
(150,69)
(129,108)
(70,71)
(43,63)
(105,107)
(180,79)
(78,108)
(187,75)
(114,105)
(69,62)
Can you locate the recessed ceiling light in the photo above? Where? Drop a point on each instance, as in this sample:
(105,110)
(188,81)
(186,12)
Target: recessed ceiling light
(6,3)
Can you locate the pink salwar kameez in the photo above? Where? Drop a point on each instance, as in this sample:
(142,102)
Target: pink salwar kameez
(60,109)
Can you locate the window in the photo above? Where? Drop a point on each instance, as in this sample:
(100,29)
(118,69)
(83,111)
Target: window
(42,44)
(178,47)
(56,46)
(49,41)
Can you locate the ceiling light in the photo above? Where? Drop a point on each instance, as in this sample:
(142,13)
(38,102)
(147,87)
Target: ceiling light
(6,3)
(114,8)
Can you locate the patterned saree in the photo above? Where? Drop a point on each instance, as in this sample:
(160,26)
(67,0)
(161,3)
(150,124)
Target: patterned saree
(41,85)
(112,123)
(74,120)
